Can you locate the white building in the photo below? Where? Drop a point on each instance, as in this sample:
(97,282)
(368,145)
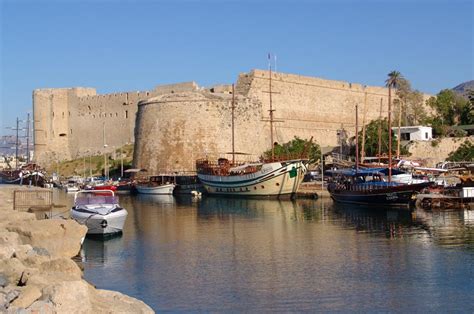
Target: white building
(414,133)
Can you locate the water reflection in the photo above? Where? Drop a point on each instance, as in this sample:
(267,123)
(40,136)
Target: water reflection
(222,254)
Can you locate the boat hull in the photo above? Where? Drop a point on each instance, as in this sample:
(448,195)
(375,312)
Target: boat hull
(400,195)
(160,189)
(98,224)
(273,180)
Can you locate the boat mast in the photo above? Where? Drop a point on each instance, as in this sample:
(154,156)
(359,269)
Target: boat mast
(362,153)
(16,145)
(357,139)
(380,129)
(233,142)
(271,108)
(389,134)
(28,139)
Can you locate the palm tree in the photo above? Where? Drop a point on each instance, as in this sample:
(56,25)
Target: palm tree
(393,80)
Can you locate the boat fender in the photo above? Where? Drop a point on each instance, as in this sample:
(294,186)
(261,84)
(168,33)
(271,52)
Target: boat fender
(103,223)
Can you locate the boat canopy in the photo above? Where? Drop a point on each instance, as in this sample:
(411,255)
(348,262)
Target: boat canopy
(363,172)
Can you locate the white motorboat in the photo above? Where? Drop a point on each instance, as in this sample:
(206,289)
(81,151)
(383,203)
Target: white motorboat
(71,188)
(100,211)
(162,184)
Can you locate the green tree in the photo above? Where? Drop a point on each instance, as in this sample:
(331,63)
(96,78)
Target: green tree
(295,148)
(465,152)
(372,139)
(450,108)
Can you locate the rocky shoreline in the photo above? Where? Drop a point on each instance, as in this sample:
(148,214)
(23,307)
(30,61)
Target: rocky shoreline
(37,274)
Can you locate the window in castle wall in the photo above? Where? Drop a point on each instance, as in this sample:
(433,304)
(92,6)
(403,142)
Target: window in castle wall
(111,115)
(63,114)
(69,113)
(71,131)
(126,114)
(116,114)
(89,107)
(62,134)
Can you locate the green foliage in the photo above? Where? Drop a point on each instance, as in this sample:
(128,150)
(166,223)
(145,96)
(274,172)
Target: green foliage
(451,109)
(465,152)
(372,139)
(295,148)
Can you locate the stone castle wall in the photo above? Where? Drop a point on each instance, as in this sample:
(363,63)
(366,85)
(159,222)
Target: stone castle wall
(172,125)
(74,122)
(172,131)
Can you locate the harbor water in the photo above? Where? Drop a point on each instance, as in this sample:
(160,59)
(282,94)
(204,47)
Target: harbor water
(220,254)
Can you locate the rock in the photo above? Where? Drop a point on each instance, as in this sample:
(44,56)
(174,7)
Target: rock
(114,302)
(27,296)
(42,307)
(9,238)
(3,302)
(12,269)
(11,295)
(6,252)
(3,281)
(58,237)
(69,297)
(24,251)
(61,266)
(41,251)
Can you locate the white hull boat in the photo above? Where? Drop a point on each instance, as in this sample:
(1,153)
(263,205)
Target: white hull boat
(271,179)
(99,211)
(159,189)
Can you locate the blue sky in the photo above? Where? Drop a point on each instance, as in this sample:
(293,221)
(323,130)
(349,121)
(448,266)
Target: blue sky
(135,45)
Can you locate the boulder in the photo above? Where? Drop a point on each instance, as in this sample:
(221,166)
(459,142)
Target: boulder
(115,302)
(27,296)
(69,297)
(9,238)
(42,307)
(59,237)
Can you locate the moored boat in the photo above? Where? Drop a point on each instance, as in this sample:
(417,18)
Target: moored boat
(162,184)
(279,178)
(99,211)
(368,187)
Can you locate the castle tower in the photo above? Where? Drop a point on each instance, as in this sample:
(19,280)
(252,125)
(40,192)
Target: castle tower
(51,114)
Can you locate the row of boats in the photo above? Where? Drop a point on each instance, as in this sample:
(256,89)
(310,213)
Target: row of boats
(98,208)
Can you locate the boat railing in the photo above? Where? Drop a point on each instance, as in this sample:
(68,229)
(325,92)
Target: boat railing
(370,187)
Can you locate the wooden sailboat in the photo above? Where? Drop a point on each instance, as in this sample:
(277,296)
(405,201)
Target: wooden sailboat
(371,186)
(273,178)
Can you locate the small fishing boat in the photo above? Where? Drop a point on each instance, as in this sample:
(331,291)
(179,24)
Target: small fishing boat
(99,211)
(369,187)
(163,184)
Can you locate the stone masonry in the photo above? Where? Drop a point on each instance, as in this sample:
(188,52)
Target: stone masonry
(173,125)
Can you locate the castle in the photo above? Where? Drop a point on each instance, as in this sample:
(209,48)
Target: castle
(173,125)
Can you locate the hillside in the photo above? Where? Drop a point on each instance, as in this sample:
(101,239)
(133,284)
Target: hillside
(463,88)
